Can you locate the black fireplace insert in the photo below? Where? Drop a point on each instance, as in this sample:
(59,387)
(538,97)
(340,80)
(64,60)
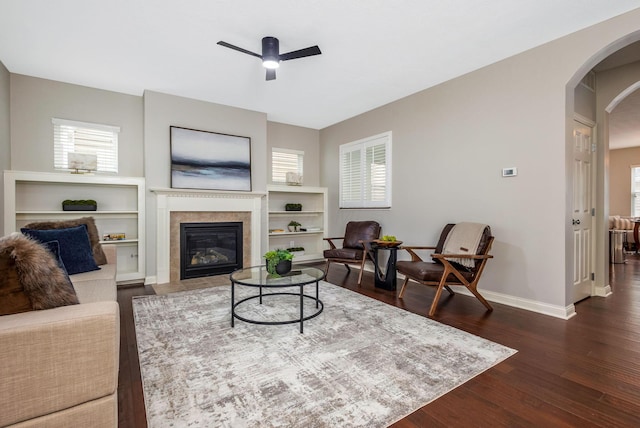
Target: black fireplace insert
(208,249)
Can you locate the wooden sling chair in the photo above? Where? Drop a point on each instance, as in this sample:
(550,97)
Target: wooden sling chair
(356,235)
(444,272)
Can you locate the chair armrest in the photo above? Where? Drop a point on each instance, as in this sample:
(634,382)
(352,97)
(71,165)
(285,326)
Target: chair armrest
(462,256)
(58,358)
(330,241)
(411,250)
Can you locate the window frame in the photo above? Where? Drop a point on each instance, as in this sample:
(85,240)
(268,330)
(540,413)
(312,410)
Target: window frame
(635,191)
(61,149)
(363,185)
(300,163)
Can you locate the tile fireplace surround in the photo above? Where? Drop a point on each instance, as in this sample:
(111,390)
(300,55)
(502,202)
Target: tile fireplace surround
(182,205)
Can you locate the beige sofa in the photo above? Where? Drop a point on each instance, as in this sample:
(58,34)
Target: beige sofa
(59,367)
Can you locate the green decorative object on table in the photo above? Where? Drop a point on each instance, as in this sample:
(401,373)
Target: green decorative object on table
(278,262)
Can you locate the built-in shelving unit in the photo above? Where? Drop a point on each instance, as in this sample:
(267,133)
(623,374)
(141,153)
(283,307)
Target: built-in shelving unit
(312,216)
(37,196)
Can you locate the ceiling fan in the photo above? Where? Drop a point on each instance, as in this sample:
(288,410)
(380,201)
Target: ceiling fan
(271,56)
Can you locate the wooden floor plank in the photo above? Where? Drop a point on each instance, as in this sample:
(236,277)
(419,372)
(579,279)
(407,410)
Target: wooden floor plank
(584,372)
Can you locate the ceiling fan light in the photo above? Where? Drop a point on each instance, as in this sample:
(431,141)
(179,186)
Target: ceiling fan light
(270,63)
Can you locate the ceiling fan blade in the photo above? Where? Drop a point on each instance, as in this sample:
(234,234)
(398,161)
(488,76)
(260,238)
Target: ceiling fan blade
(230,46)
(271,74)
(313,50)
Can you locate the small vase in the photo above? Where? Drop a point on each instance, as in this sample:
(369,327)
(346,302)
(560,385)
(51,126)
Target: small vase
(283,266)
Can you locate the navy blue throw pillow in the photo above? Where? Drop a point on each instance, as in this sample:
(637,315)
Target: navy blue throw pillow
(75,248)
(54,248)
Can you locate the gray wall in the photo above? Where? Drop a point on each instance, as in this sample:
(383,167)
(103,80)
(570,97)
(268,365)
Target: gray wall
(5,135)
(585,102)
(35,101)
(162,111)
(285,136)
(450,143)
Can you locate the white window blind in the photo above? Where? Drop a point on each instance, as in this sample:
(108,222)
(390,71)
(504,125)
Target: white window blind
(283,161)
(635,191)
(87,138)
(365,173)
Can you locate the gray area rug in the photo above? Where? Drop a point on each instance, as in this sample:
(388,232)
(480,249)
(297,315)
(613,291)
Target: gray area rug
(360,363)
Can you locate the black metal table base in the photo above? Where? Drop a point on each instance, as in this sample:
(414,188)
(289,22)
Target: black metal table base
(388,279)
(301,319)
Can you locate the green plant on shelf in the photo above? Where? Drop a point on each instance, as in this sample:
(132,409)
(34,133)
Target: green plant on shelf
(293,207)
(294,226)
(79,202)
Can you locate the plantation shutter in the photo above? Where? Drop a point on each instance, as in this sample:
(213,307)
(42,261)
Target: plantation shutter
(86,138)
(283,161)
(365,173)
(635,191)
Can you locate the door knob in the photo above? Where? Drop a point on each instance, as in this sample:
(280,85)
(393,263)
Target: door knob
(576,222)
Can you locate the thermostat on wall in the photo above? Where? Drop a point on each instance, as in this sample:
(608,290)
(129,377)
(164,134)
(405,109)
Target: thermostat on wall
(509,172)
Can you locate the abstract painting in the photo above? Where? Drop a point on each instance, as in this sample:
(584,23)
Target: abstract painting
(209,160)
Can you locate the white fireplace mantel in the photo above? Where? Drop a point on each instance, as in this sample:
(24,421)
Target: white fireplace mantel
(189,200)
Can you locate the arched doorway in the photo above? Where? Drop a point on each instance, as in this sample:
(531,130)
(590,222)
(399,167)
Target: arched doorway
(607,98)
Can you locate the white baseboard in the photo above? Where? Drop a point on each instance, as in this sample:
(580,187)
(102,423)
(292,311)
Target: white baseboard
(151,280)
(602,291)
(556,311)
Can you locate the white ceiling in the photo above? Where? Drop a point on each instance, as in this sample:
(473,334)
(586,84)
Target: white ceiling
(373,51)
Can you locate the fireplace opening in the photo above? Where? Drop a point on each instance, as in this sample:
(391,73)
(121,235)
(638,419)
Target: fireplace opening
(208,249)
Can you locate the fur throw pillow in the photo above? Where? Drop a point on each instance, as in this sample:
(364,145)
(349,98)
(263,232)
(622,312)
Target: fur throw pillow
(92,230)
(41,278)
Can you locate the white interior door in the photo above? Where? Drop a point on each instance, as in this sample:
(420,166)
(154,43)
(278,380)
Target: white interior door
(582,211)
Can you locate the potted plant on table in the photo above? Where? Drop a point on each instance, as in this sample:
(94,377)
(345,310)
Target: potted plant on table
(278,261)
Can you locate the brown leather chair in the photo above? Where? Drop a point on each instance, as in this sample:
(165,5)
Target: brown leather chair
(444,273)
(356,235)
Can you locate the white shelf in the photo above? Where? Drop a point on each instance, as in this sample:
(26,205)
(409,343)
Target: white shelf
(313,232)
(313,214)
(120,241)
(37,196)
(295,212)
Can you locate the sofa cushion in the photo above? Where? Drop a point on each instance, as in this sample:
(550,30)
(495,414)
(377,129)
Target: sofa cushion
(30,271)
(75,248)
(343,253)
(92,230)
(97,285)
(429,271)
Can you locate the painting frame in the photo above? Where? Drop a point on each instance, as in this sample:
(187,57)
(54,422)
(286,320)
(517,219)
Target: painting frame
(207,160)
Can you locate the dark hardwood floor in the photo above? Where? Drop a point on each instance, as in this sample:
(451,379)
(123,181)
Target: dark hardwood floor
(582,372)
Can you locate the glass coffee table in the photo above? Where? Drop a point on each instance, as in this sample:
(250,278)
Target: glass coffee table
(258,277)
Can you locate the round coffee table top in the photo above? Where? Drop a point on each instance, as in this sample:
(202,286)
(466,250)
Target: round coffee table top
(258,276)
